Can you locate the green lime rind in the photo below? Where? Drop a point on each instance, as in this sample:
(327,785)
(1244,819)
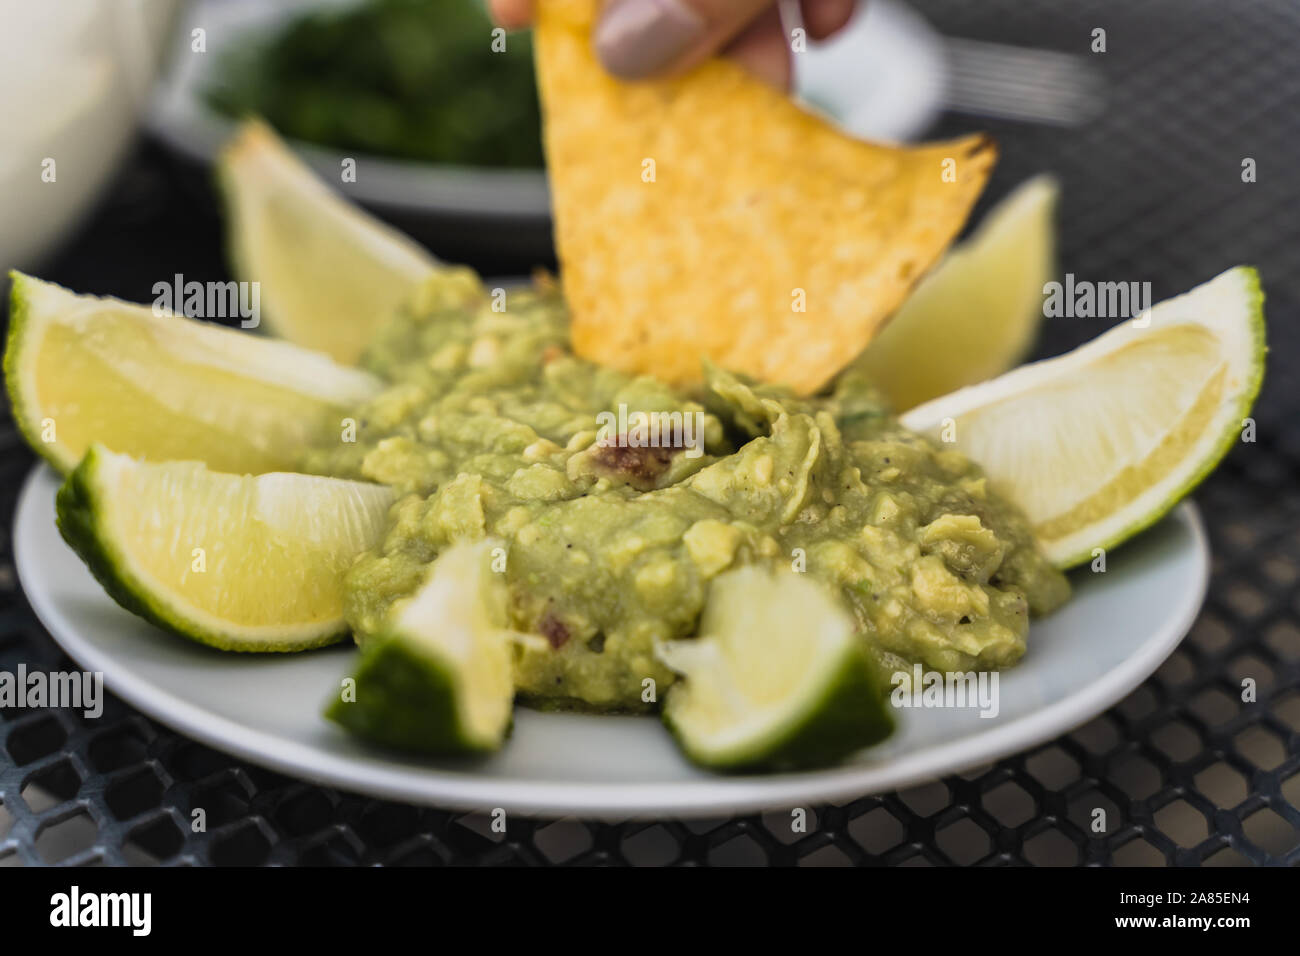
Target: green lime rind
(407,698)
(80,507)
(15,343)
(1245,403)
(849,712)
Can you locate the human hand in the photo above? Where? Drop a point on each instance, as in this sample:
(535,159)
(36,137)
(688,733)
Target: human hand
(636,39)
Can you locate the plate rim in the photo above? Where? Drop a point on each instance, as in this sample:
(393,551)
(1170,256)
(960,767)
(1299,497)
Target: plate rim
(706,797)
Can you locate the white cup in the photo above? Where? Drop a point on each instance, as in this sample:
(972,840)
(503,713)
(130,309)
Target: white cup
(74,78)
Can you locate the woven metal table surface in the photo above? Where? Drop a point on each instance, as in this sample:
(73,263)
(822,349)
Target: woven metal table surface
(1186,771)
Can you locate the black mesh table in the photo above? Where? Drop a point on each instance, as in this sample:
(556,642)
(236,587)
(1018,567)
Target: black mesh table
(1187,773)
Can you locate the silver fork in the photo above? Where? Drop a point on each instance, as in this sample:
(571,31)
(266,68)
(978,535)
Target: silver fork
(1020,83)
(888,73)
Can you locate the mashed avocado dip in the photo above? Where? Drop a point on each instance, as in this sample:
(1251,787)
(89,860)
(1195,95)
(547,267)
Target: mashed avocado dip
(492,427)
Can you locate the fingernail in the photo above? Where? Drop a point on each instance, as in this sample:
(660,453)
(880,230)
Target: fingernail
(636,38)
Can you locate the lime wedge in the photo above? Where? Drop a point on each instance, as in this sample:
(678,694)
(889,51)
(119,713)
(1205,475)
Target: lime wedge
(1097,444)
(776,679)
(329,274)
(81,369)
(236,562)
(437,677)
(976,314)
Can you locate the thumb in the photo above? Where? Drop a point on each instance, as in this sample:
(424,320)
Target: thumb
(637,38)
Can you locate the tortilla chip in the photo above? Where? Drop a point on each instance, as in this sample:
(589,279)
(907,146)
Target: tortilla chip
(694,216)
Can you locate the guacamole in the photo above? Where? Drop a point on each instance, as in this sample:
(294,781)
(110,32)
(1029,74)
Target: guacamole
(491,427)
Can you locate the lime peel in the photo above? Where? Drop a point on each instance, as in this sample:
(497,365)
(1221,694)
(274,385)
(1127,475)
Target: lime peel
(976,314)
(1099,444)
(82,369)
(236,562)
(330,274)
(777,678)
(437,677)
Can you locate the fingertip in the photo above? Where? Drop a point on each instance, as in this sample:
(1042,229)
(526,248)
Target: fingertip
(512,14)
(763,49)
(825,18)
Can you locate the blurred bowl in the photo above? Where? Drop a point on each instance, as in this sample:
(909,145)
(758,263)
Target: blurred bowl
(74,79)
(451,208)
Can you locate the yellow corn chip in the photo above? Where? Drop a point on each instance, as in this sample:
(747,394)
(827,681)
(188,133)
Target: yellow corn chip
(707,215)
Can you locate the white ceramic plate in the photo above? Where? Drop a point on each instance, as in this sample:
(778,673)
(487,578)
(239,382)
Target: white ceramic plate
(1118,628)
